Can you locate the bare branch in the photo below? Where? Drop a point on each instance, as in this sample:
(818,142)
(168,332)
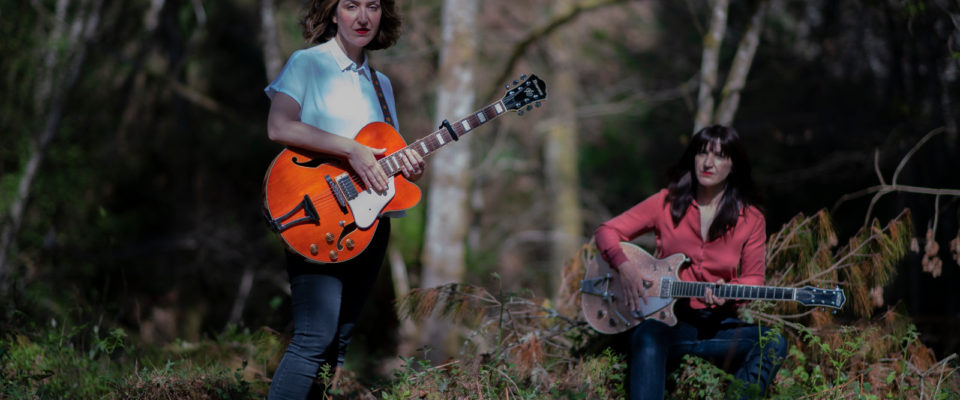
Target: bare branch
(885,188)
(544,30)
(909,154)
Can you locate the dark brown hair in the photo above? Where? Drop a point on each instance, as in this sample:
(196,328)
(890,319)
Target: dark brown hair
(740,191)
(318,26)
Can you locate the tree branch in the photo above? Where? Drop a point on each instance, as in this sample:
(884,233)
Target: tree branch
(884,188)
(546,29)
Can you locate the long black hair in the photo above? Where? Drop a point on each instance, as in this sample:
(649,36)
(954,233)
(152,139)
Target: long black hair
(740,191)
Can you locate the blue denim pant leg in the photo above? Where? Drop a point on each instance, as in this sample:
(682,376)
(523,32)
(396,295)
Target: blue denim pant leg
(326,299)
(729,343)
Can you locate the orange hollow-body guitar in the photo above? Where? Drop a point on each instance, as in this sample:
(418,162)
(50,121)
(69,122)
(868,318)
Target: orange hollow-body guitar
(320,207)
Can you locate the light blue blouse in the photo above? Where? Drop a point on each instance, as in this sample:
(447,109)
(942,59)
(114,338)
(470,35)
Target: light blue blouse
(334,93)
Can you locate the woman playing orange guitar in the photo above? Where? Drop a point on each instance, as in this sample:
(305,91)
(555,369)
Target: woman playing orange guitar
(319,102)
(709,212)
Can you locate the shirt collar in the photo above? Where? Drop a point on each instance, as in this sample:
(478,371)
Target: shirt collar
(344,62)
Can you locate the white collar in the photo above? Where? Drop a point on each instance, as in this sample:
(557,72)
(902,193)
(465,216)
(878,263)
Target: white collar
(343,61)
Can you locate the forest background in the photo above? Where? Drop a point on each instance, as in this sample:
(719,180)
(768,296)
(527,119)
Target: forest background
(133,148)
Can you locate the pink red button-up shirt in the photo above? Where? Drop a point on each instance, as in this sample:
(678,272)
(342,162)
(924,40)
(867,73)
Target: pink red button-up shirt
(737,257)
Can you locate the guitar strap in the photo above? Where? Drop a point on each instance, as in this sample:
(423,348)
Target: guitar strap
(383,100)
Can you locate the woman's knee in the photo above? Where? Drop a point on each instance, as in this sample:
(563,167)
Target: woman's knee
(648,339)
(311,345)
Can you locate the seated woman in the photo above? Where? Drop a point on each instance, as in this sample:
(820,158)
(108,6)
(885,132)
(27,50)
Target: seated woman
(709,212)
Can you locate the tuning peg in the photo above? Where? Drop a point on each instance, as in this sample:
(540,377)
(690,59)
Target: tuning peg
(523,77)
(520,113)
(537,104)
(516,82)
(507,86)
(529,107)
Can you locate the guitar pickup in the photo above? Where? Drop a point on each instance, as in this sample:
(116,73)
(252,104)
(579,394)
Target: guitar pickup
(346,185)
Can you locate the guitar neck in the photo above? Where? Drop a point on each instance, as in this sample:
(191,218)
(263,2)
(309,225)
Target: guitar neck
(728,291)
(434,141)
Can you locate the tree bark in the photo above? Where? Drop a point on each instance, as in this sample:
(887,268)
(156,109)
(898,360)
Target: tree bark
(736,80)
(561,154)
(271,47)
(84,26)
(710,63)
(447,207)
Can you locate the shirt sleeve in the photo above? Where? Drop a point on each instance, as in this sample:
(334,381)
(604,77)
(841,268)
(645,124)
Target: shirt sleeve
(291,80)
(753,264)
(634,222)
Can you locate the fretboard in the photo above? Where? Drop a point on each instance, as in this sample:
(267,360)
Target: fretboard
(432,142)
(727,291)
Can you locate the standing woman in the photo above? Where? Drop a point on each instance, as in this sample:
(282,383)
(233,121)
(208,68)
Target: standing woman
(319,102)
(710,212)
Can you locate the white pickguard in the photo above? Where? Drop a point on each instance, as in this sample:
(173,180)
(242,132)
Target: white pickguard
(368,204)
(654,303)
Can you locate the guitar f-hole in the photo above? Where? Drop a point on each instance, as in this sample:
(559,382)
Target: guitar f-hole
(346,231)
(310,215)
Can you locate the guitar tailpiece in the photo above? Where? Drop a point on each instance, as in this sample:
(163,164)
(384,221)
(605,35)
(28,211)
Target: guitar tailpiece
(446,124)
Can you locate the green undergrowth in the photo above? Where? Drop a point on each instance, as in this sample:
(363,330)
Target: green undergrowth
(62,360)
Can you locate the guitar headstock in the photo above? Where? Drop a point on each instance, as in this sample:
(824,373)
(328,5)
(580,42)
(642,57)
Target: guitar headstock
(816,297)
(525,91)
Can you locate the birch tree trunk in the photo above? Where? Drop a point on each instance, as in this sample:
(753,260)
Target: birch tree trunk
(710,63)
(561,154)
(447,207)
(271,47)
(81,31)
(740,68)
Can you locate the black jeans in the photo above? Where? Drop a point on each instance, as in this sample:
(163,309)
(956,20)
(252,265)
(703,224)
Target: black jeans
(327,300)
(719,338)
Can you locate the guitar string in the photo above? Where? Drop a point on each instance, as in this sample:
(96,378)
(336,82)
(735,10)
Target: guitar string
(327,198)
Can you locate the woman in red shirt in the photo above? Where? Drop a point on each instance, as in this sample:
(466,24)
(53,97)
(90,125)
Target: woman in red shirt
(709,212)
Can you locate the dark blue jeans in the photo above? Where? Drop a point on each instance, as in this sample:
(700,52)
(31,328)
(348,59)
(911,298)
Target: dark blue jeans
(327,300)
(725,341)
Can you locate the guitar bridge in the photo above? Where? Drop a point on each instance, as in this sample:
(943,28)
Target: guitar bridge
(310,215)
(337,193)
